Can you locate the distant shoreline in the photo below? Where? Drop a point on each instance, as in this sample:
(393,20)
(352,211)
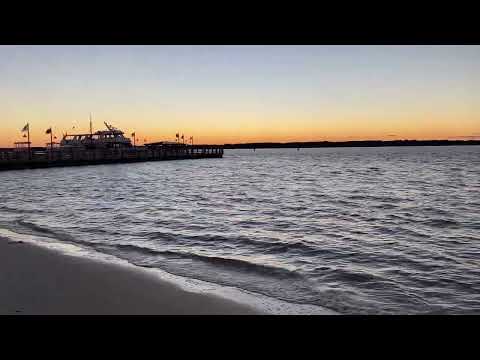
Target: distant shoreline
(327,144)
(362,143)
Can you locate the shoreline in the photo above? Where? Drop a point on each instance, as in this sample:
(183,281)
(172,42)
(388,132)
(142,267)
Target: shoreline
(39,281)
(68,272)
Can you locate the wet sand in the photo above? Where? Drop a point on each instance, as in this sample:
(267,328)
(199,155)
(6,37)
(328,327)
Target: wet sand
(35,281)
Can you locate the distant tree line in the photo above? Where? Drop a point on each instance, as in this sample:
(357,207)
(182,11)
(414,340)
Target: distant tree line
(364,143)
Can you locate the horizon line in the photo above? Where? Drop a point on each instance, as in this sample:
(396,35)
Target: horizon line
(266,143)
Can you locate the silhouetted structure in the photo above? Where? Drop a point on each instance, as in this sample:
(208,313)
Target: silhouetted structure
(102,147)
(11,159)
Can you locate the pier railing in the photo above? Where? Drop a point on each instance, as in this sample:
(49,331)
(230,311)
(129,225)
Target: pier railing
(15,158)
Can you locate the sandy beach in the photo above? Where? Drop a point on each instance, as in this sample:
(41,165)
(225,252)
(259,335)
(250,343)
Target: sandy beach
(35,280)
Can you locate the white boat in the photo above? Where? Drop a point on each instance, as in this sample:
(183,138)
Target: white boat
(110,138)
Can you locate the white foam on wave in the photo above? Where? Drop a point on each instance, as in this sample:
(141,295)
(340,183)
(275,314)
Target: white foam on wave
(259,302)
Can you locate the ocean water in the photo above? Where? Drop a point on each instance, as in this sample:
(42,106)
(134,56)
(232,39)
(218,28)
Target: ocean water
(393,230)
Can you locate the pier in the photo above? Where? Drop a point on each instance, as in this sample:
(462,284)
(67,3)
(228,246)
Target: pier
(30,158)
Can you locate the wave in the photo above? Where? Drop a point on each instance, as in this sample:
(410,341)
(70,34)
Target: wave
(258,299)
(385,199)
(354,276)
(437,211)
(441,223)
(25,227)
(396,229)
(386,206)
(270,245)
(35,228)
(21,211)
(236,264)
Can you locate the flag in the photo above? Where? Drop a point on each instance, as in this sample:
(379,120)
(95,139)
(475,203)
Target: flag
(26,128)
(49,131)
(177,135)
(182,137)
(133,134)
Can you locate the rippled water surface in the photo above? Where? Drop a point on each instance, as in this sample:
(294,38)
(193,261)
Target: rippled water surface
(357,230)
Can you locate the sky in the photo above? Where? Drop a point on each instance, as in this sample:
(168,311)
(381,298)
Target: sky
(227,94)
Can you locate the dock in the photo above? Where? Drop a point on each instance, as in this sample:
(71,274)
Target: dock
(17,159)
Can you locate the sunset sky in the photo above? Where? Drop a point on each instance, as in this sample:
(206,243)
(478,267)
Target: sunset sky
(223,94)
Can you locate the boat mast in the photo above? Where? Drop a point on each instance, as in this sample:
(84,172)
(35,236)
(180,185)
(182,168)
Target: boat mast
(91,130)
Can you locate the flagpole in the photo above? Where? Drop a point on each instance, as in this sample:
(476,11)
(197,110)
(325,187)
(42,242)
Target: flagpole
(28,140)
(51,139)
(91,130)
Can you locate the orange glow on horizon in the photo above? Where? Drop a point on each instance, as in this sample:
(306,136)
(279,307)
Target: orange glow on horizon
(239,94)
(216,131)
